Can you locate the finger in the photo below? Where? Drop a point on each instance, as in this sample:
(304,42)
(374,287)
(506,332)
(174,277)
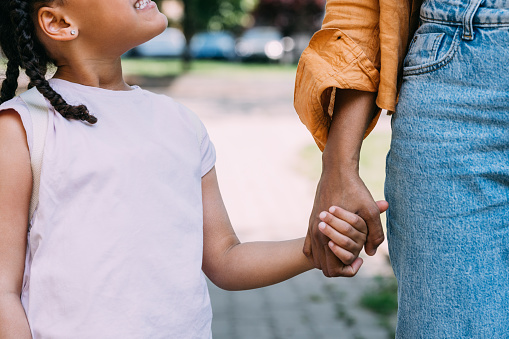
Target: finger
(313,254)
(375,232)
(350,271)
(318,243)
(345,227)
(349,217)
(318,255)
(307,250)
(334,266)
(382,206)
(341,240)
(344,255)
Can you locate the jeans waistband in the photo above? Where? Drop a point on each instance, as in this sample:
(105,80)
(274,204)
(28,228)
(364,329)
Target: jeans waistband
(484,13)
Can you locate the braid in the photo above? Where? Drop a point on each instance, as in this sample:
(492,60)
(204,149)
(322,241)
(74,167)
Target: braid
(10,84)
(31,56)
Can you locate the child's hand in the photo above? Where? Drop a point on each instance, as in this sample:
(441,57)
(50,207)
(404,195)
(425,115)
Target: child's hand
(347,231)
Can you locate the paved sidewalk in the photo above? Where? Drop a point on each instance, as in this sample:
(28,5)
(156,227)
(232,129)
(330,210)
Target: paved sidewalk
(259,140)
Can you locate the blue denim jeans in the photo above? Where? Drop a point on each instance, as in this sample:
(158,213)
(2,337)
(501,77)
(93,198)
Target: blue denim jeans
(448,174)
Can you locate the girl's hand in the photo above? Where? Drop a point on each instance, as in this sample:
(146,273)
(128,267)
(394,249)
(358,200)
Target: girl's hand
(347,232)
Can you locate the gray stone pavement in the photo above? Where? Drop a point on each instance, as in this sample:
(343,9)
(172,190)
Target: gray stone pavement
(259,141)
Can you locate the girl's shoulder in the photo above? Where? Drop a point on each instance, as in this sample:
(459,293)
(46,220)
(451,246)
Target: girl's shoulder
(16,104)
(19,106)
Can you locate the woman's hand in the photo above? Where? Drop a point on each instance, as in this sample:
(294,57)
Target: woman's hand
(350,194)
(340,184)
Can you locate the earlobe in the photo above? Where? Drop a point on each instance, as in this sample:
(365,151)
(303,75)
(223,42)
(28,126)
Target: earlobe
(55,25)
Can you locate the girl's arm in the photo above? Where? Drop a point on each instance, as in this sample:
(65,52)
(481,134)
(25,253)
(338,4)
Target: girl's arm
(235,266)
(15,192)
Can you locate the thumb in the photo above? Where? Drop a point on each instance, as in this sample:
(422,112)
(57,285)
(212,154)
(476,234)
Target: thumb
(382,205)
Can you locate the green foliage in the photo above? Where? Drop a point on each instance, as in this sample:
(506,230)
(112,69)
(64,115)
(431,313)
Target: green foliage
(203,15)
(157,68)
(383,298)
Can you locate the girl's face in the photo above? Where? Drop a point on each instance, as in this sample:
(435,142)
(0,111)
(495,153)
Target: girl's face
(115,26)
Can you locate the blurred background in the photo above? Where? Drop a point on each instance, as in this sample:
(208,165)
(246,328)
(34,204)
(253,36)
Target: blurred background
(235,30)
(233,62)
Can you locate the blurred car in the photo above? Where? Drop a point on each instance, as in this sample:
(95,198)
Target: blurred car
(169,44)
(260,43)
(213,45)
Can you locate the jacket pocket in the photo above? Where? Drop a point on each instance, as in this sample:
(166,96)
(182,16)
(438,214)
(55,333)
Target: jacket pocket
(433,46)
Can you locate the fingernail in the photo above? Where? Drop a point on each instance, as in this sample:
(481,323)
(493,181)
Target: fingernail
(331,244)
(332,209)
(321,225)
(323,215)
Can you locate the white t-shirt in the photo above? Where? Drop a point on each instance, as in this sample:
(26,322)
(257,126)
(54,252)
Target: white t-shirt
(116,244)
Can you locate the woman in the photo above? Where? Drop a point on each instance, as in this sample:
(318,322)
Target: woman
(441,67)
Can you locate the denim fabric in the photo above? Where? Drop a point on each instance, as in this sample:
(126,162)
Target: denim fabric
(448,174)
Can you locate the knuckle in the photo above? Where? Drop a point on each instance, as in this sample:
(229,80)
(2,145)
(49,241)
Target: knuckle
(344,242)
(342,273)
(356,219)
(371,214)
(307,252)
(378,239)
(351,273)
(328,218)
(349,230)
(349,258)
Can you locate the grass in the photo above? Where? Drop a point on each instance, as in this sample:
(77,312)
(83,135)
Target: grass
(174,67)
(382,299)
(155,68)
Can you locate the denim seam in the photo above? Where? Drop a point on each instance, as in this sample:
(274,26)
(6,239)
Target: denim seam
(457,23)
(436,43)
(468,29)
(433,66)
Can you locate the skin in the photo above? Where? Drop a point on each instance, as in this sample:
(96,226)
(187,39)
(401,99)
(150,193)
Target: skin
(231,264)
(340,183)
(91,57)
(15,192)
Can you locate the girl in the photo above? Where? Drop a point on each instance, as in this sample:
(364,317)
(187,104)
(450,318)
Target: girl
(130,215)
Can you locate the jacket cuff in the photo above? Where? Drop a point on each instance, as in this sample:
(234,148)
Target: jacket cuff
(332,60)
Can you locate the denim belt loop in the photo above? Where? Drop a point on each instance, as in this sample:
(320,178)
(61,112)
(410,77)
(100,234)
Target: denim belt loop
(468,18)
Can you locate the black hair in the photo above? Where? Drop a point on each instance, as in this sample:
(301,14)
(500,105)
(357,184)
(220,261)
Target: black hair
(22,48)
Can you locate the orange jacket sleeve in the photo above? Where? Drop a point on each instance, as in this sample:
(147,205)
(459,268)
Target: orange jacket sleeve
(361,46)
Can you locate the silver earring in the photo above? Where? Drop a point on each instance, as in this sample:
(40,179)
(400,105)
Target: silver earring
(73,32)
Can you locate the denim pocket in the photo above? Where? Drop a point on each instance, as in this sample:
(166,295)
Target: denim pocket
(433,46)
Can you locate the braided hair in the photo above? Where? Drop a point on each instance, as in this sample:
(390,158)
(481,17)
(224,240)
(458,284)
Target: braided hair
(22,48)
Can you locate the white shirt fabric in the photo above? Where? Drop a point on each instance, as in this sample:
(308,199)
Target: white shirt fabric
(116,244)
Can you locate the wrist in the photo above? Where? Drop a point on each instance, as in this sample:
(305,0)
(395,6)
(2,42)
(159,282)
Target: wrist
(346,166)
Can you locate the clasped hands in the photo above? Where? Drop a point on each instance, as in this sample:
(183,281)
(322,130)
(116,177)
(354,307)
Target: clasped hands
(336,235)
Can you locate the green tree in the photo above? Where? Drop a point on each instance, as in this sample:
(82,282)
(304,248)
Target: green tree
(200,15)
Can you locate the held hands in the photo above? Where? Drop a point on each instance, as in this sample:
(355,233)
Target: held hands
(347,233)
(346,190)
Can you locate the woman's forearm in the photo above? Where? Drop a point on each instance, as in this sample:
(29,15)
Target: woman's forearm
(353,112)
(13,321)
(258,264)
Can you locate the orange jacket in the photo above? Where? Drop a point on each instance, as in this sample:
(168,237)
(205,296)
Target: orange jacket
(361,46)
